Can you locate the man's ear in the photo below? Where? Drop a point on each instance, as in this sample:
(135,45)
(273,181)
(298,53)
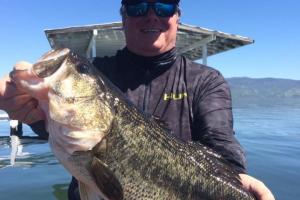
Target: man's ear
(124,19)
(178,19)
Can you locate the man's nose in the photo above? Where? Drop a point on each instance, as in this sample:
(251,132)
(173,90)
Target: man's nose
(151,13)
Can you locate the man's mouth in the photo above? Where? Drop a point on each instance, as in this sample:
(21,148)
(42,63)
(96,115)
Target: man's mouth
(151,30)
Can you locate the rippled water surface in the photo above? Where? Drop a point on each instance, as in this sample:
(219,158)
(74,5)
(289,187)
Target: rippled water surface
(271,137)
(36,173)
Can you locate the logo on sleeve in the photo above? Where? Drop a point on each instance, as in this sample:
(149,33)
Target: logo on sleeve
(175,96)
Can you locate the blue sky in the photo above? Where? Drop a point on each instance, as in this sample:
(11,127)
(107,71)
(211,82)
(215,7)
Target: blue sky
(274,25)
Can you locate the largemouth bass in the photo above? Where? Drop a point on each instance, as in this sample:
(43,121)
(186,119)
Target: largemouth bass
(135,157)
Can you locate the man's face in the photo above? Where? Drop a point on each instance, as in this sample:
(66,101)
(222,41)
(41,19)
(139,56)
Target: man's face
(150,35)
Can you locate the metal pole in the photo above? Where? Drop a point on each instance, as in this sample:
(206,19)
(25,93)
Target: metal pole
(15,133)
(16,128)
(204,54)
(94,47)
(91,51)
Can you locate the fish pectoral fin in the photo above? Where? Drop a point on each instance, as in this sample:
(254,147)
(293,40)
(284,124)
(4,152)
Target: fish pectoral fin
(86,193)
(106,180)
(82,191)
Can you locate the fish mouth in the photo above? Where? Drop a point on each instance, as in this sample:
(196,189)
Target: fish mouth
(50,62)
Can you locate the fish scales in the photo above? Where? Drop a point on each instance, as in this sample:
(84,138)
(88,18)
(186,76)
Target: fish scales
(135,157)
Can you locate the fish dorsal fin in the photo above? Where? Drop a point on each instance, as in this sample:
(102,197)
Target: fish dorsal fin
(106,180)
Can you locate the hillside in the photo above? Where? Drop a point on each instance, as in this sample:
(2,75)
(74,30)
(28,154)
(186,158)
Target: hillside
(265,91)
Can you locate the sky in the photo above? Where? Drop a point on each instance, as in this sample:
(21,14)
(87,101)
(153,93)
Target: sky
(274,25)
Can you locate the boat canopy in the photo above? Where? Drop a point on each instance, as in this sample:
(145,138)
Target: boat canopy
(105,39)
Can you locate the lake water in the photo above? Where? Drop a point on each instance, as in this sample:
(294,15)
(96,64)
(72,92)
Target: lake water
(270,136)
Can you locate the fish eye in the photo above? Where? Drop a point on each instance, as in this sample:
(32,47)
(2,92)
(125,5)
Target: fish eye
(83,68)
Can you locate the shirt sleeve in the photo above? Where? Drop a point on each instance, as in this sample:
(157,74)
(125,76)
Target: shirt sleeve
(39,128)
(213,119)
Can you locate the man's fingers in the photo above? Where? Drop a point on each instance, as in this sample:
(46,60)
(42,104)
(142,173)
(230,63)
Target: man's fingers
(27,81)
(255,186)
(8,88)
(21,72)
(22,65)
(28,114)
(261,191)
(19,114)
(17,102)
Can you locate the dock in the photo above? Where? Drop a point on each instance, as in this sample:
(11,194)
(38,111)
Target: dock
(4,117)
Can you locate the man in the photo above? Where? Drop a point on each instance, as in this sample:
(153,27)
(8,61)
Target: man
(192,99)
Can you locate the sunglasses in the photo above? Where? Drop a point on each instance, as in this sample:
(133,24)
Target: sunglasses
(142,8)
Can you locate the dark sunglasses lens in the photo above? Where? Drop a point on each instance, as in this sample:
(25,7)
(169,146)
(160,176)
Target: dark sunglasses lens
(164,10)
(136,10)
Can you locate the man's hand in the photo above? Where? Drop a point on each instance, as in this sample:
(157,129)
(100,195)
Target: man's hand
(257,187)
(17,103)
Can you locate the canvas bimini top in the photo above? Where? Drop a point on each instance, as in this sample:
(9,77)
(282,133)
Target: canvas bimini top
(105,39)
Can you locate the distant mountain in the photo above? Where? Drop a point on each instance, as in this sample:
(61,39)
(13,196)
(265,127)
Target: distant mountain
(265,91)
(262,92)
